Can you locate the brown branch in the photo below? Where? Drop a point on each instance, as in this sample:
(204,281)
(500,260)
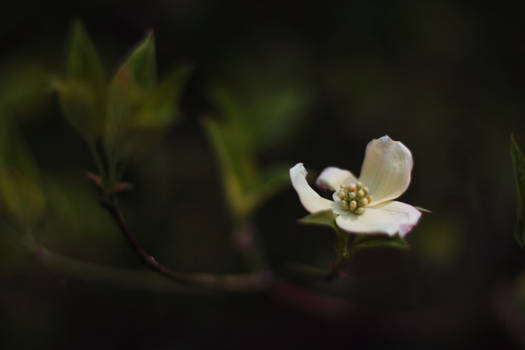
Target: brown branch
(254,281)
(262,280)
(111,276)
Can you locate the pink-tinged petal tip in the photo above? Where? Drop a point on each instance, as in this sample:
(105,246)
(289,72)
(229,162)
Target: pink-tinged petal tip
(390,218)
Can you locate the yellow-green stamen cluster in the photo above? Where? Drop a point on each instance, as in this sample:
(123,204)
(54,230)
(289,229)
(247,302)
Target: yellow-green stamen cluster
(354,197)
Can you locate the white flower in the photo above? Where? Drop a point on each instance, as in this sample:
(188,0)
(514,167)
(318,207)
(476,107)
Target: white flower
(365,205)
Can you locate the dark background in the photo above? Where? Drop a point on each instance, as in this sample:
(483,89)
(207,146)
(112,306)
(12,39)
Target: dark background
(445,78)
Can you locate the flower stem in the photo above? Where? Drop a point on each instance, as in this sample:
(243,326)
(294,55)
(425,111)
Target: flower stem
(343,252)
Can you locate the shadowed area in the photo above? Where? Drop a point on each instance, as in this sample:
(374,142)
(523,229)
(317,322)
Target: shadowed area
(226,96)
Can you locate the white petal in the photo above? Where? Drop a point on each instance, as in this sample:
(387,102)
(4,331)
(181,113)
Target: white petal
(336,206)
(308,197)
(390,218)
(386,169)
(332,178)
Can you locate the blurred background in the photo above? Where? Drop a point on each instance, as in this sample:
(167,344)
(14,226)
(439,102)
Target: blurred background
(285,83)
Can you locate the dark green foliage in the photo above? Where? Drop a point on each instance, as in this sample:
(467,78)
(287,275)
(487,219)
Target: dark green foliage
(347,244)
(323,218)
(372,241)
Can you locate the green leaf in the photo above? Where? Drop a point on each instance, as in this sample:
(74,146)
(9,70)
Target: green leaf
(82,108)
(20,194)
(230,167)
(82,93)
(371,241)
(139,119)
(518,164)
(131,86)
(21,198)
(274,114)
(140,66)
(83,62)
(265,114)
(23,88)
(14,153)
(323,218)
(238,170)
(268,184)
(160,108)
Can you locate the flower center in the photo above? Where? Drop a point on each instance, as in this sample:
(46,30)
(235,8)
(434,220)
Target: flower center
(354,197)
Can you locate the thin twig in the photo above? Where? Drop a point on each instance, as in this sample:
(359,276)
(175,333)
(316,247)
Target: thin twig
(254,281)
(262,280)
(116,277)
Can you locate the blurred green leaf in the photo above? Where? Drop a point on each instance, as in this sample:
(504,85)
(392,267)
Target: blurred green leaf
(256,113)
(128,114)
(246,187)
(274,114)
(139,68)
(237,170)
(442,243)
(82,93)
(83,62)
(518,164)
(264,113)
(23,88)
(14,153)
(372,241)
(133,99)
(323,218)
(20,194)
(269,183)
(21,198)
(159,109)
(81,107)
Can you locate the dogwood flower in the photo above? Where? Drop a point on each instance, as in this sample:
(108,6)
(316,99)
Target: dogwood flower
(365,205)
